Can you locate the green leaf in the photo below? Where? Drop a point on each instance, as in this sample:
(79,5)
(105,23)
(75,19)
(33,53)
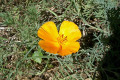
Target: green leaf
(37,56)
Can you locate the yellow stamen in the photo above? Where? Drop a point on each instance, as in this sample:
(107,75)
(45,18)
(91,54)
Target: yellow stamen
(62,39)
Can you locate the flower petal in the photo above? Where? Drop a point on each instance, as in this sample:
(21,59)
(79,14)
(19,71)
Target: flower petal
(49,46)
(48,31)
(69,48)
(70,30)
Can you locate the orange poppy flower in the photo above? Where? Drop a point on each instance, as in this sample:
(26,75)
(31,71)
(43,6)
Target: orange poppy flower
(62,43)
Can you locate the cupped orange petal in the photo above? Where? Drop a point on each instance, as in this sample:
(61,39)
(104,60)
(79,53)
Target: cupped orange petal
(69,48)
(48,31)
(49,46)
(70,30)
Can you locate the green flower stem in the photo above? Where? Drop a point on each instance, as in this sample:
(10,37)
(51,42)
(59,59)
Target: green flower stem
(39,73)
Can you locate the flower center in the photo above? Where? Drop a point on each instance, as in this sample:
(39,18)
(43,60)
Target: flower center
(62,39)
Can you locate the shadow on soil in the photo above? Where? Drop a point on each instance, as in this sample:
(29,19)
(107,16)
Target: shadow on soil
(109,67)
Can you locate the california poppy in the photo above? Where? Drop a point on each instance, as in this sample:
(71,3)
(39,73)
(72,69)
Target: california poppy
(62,43)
